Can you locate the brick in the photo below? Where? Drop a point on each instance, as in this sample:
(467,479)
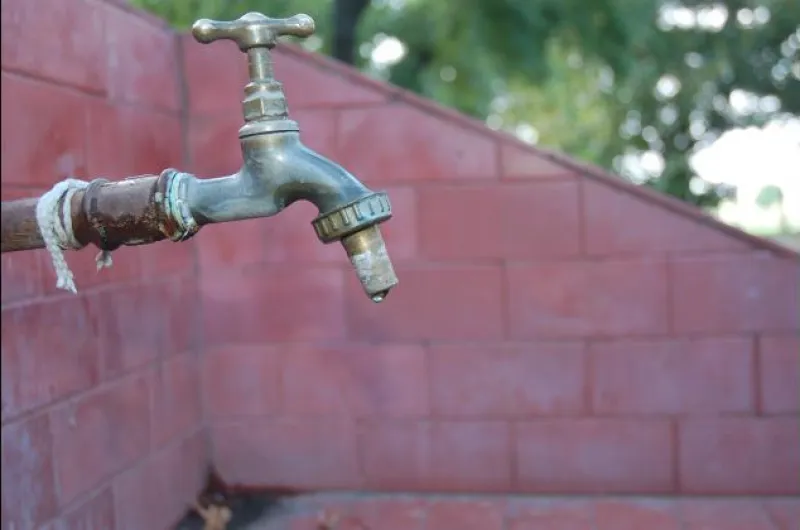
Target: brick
(687,377)
(400,233)
(127,268)
(129,141)
(182,305)
(308,84)
(226,64)
(587,299)
(213,144)
(724,514)
(176,399)
(465,515)
(50,351)
(525,162)
(240,305)
(29,495)
(779,367)
(740,456)
(594,455)
(530,221)
(507,381)
(637,515)
(157,492)
(130,327)
(290,238)
(735,293)
(95,513)
(415,146)
(62,41)
(22,275)
(620,222)
(43,131)
(241,380)
(100,434)
(166,317)
(355,381)
(232,245)
(293,453)
(143,61)
(437,456)
(550,514)
(784,513)
(318,130)
(432,303)
(165,258)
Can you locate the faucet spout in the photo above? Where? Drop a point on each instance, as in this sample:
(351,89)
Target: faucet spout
(295,172)
(279,170)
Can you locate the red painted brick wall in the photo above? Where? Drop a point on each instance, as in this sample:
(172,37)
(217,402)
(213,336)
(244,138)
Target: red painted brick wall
(555,330)
(100,402)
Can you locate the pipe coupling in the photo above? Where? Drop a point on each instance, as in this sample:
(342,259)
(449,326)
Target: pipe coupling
(366,211)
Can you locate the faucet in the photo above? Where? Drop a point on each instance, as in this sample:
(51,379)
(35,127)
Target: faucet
(279,170)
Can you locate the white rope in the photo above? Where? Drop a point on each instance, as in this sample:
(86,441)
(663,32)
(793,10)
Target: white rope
(56,229)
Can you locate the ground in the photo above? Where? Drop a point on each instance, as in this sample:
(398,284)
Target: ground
(365,511)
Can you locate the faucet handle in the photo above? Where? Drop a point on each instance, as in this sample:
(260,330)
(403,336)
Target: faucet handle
(252,30)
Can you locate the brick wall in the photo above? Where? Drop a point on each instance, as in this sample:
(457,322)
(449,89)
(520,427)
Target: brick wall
(100,403)
(555,330)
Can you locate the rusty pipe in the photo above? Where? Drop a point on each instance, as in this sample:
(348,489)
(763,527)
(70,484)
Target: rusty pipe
(107,214)
(18,227)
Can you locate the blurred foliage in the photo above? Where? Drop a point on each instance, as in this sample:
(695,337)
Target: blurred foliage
(631,85)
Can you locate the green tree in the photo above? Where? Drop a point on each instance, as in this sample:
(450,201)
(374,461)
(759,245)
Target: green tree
(633,85)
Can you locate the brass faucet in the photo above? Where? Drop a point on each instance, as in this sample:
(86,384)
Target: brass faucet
(277,171)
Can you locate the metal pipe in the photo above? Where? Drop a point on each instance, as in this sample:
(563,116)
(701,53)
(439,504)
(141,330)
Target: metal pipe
(107,214)
(18,227)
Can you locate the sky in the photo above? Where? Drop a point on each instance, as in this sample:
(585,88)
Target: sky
(750,159)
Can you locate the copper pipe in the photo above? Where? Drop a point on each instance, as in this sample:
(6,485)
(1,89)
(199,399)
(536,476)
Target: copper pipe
(18,229)
(106,214)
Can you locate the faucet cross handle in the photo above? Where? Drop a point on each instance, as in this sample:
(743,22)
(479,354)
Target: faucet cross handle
(252,30)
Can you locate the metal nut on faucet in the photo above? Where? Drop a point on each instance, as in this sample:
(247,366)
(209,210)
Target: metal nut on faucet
(264,105)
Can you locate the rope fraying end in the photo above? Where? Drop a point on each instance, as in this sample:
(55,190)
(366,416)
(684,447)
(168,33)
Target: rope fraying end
(55,225)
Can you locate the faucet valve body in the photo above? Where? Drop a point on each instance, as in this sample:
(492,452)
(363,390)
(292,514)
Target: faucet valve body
(278,169)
